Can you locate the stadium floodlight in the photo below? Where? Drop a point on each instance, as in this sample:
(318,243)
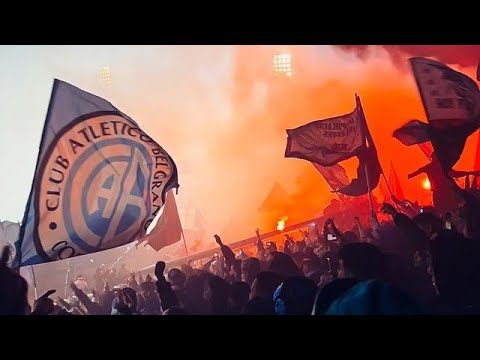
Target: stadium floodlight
(105,76)
(282,64)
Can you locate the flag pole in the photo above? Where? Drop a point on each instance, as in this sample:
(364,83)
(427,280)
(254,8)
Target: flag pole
(368,188)
(385,179)
(34,283)
(185,244)
(121,257)
(388,186)
(370,144)
(181,228)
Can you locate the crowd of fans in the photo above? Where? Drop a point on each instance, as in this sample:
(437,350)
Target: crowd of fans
(423,263)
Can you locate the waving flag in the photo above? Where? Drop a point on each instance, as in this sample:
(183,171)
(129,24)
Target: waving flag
(452,103)
(327,141)
(335,175)
(369,168)
(427,149)
(168,229)
(99,181)
(413,132)
(395,184)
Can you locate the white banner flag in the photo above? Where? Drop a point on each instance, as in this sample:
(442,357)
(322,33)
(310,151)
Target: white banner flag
(449,97)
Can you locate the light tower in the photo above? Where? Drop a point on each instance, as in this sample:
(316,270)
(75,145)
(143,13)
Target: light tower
(105,75)
(282,64)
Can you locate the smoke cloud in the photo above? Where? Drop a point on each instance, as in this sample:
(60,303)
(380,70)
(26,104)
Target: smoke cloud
(462,55)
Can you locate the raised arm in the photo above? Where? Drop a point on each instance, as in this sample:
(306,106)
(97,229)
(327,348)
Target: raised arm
(416,238)
(168,298)
(359,227)
(92,308)
(228,254)
(335,231)
(422,170)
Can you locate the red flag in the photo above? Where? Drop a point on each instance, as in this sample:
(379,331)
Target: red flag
(395,185)
(476,166)
(427,149)
(168,229)
(335,175)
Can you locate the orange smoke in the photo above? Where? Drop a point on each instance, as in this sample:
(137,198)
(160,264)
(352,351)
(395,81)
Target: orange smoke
(281,223)
(463,55)
(223,114)
(324,84)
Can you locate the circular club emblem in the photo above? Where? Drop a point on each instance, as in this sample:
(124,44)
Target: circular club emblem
(101,185)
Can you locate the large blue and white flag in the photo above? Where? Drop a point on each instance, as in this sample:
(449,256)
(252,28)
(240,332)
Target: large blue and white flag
(99,180)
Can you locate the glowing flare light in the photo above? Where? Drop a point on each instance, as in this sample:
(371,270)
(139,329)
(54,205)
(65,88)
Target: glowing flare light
(426,184)
(281,223)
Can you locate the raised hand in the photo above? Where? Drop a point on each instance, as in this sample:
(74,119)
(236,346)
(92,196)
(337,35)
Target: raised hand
(217,239)
(14,285)
(259,245)
(159,269)
(44,305)
(5,257)
(389,209)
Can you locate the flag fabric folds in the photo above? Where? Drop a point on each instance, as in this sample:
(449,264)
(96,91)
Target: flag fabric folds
(427,149)
(395,184)
(99,180)
(335,175)
(452,104)
(369,168)
(168,229)
(327,141)
(413,132)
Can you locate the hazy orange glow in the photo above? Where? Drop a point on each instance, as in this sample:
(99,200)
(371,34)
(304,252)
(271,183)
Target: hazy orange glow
(281,223)
(426,184)
(227,132)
